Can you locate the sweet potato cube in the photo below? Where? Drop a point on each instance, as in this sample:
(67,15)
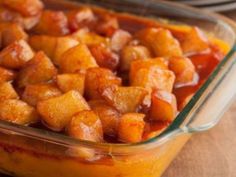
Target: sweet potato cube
(86,125)
(97,79)
(163,106)
(44,43)
(76,59)
(62,45)
(7,91)
(17,111)
(124,99)
(24,7)
(104,56)
(131,53)
(6,75)
(7,15)
(67,82)
(160,42)
(38,70)
(154,78)
(57,112)
(29,22)
(183,68)
(146,64)
(16,55)
(83,17)
(194,41)
(109,116)
(12,32)
(131,128)
(84,36)
(52,23)
(38,92)
(119,39)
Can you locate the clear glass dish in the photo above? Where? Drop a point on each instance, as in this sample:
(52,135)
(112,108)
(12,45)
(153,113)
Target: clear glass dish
(30,152)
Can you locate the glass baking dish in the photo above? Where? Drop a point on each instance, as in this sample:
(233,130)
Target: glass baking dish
(30,152)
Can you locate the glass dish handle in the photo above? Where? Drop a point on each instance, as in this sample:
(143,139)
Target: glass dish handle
(216,101)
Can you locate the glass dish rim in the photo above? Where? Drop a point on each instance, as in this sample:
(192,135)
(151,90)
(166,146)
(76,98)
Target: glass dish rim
(172,131)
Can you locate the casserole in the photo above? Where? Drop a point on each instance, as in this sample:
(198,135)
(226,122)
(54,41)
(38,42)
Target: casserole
(27,151)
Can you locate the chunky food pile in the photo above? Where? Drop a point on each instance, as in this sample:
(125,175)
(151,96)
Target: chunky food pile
(98,75)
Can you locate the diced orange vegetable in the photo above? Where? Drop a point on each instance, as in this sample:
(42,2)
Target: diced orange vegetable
(52,23)
(131,128)
(38,92)
(194,41)
(11,32)
(67,82)
(183,68)
(6,75)
(38,70)
(17,111)
(44,43)
(108,115)
(16,55)
(7,91)
(119,39)
(84,36)
(97,79)
(124,99)
(24,7)
(29,22)
(104,56)
(77,58)
(154,78)
(131,53)
(84,17)
(86,125)
(57,112)
(107,25)
(154,128)
(7,15)
(146,64)
(160,42)
(163,107)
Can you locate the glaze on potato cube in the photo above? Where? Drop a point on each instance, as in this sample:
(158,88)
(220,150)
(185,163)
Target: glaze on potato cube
(125,99)
(86,125)
(104,56)
(24,7)
(160,42)
(146,64)
(12,32)
(194,41)
(44,43)
(38,92)
(154,78)
(97,79)
(7,91)
(84,36)
(30,22)
(6,75)
(131,128)
(163,106)
(52,23)
(67,82)
(119,39)
(57,112)
(77,58)
(62,45)
(17,111)
(38,70)
(109,116)
(83,17)
(7,15)
(106,25)
(183,68)
(16,55)
(131,53)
